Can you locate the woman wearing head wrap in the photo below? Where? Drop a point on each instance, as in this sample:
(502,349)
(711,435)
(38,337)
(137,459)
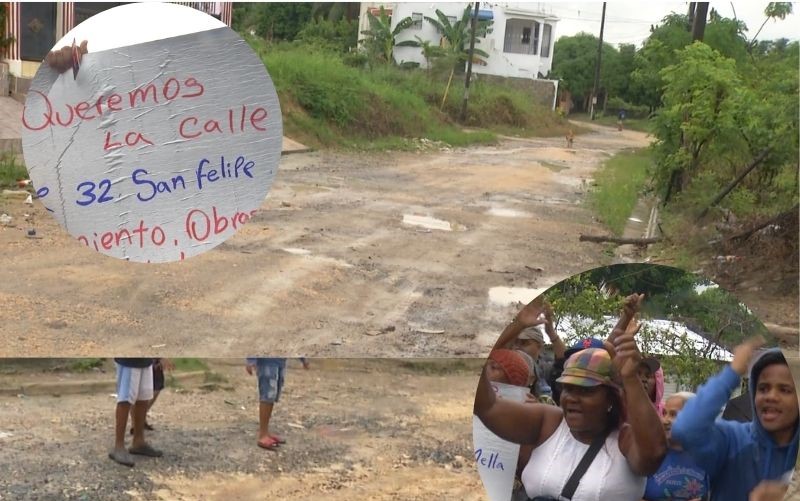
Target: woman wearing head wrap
(593,410)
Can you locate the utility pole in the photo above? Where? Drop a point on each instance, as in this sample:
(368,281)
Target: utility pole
(699,20)
(597,66)
(469,62)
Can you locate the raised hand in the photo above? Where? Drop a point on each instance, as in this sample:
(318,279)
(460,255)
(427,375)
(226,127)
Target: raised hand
(529,315)
(743,354)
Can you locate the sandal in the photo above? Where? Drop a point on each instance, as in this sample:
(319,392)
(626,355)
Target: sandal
(278,439)
(268,443)
(146,450)
(121,456)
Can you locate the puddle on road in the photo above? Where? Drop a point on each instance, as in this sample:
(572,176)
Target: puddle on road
(296,251)
(427,222)
(322,259)
(505,296)
(503,212)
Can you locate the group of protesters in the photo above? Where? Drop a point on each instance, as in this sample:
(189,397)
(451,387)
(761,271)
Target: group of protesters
(596,426)
(139,381)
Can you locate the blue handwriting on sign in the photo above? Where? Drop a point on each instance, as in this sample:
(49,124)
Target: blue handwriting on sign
(149,188)
(491,462)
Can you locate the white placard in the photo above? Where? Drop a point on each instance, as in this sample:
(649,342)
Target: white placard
(496,458)
(160,150)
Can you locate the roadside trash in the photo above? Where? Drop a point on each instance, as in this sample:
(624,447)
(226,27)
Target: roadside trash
(29,200)
(5,434)
(5,219)
(157,346)
(23,183)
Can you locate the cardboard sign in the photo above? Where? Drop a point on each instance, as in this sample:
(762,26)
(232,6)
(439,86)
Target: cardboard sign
(159,150)
(496,458)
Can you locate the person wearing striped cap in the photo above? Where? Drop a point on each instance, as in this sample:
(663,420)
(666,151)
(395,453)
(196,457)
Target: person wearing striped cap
(603,407)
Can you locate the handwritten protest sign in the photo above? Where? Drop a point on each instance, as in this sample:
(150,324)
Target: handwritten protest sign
(158,150)
(497,458)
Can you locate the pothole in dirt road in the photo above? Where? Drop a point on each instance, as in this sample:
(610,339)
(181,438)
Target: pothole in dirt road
(505,212)
(430,223)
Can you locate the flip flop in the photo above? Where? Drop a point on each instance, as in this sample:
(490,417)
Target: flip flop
(278,439)
(268,443)
(121,456)
(146,450)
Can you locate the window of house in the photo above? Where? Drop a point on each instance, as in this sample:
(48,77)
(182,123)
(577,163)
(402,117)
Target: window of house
(546,36)
(526,36)
(521,37)
(416,17)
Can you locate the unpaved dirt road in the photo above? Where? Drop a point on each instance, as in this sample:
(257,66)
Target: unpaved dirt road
(328,267)
(356,429)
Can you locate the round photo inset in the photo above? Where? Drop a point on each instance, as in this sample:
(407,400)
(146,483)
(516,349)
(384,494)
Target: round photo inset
(159,139)
(635,382)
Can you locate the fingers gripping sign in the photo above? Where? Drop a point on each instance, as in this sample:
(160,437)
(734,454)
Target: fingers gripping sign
(621,343)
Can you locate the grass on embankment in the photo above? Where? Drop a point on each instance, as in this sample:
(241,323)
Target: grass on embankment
(617,186)
(326,103)
(11,170)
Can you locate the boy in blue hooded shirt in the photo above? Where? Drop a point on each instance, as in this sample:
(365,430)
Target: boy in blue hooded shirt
(741,457)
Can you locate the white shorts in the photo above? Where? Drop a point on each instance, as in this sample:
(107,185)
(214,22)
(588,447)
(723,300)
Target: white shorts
(134,385)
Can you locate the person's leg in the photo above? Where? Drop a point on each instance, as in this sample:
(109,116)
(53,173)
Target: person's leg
(267,392)
(125,376)
(145,394)
(264,415)
(279,389)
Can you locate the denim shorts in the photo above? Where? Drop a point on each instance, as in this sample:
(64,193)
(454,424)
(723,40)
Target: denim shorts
(270,382)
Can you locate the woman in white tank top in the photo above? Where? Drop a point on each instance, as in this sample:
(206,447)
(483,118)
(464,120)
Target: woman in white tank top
(593,406)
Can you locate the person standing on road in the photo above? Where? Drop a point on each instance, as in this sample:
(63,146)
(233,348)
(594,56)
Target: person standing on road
(134,390)
(159,366)
(270,373)
(744,460)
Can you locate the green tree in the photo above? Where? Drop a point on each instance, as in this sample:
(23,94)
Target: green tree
(774,11)
(429,51)
(381,38)
(338,36)
(457,35)
(281,21)
(697,116)
(574,61)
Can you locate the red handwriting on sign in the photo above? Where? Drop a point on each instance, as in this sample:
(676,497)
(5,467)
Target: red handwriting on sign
(170,90)
(131,139)
(199,226)
(233,122)
(142,235)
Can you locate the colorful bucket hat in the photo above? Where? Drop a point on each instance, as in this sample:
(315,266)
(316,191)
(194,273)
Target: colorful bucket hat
(590,367)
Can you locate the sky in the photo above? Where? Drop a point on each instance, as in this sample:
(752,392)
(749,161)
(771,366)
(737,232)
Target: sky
(629,21)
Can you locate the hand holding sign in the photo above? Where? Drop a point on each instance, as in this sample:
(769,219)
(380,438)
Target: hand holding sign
(67,57)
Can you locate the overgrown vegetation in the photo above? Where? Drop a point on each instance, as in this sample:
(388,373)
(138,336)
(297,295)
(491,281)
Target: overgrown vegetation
(11,170)
(336,93)
(326,102)
(724,114)
(617,186)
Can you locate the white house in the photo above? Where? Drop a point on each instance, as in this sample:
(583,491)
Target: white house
(520,43)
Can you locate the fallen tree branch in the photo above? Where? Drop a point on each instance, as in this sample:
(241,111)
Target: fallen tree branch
(618,240)
(744,235)
(756,161)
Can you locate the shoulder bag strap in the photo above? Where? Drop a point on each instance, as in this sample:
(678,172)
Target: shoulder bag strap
(586,461)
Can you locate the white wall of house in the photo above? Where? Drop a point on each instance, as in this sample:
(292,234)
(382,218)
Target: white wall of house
(520,44)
